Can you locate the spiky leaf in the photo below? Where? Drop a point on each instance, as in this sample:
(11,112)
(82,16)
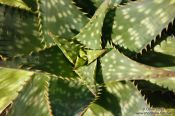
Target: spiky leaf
(18,32)
(88,74)
(70,48)
(11,82)
(167,46)
(69,97)
(16,3)
(118,99)
(116,66)
(88,56)
(76,52)
(90,35)
(166,83)
(33,99)
(164,55)
(138,23)
(61,17)
(94,54)
(50,60)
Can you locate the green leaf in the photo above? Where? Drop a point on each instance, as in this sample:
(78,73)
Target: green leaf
(86,6)
(31,3)
(18,32)
(90,35)
(33,99)
(167,46)
(16,3)
(165,82)
(50,60)
(116,66)
(75,52)
(164,55)
(80,62)
(61,17)
(11,82)
(157,96)
(138,23)
(88,74)
(118,99)
(94,54)
(70,48)
(68,98)
(149,87)
(88,56)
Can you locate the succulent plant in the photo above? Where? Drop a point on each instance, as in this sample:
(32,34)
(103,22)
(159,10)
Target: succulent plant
(87,57)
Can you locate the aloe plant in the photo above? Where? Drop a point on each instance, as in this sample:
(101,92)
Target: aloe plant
(91,58)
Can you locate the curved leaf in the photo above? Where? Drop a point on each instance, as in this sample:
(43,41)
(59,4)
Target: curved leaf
(11,82)
(167,46)
(118,99)
(31,3)
(75,52)
(18,32)
(116,66)
(88,74)
(90,35)
(86,6)
(70,48)
(68,98)
(157,96)
(16,3)
(165,82)
(50,60)
(33,99)
(61,17)
(94,54)
(138,23)
(164,55)
(88,56)
(147,86)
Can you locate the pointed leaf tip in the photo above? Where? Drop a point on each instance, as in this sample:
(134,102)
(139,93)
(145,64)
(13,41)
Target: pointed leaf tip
(90,35)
